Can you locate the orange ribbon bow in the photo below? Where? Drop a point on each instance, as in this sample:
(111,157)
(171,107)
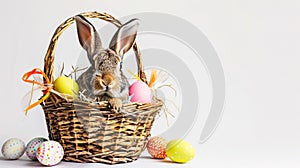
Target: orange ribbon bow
(46,86)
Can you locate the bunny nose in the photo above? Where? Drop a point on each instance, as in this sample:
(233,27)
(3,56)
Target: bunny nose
(107,80)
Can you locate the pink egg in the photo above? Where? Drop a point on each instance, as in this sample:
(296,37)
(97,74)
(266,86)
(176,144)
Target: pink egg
(140,92)
(50,153)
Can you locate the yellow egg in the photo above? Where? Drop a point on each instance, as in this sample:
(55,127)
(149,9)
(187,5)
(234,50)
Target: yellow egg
(180,151)
(66,85)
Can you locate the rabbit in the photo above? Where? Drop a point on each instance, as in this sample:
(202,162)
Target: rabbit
(104,79)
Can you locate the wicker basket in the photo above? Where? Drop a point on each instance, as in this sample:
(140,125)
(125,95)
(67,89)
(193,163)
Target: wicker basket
(91,132)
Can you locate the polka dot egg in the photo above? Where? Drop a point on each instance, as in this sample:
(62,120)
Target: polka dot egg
(180,151)
(156,147)
(31,147)
(50,153)
(13,148)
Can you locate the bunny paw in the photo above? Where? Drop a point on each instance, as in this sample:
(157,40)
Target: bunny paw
(115,104)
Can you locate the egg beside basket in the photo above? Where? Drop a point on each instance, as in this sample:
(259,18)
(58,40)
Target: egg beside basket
(91,131)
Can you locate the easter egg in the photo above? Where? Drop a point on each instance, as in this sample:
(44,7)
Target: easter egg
(66,85)
(180,151)
(50,153)
(156,147)
(31,147)
(140,92)
(13,148)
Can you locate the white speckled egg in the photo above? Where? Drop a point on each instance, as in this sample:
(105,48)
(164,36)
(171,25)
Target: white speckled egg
(13,148)
(50,153)
(32,146)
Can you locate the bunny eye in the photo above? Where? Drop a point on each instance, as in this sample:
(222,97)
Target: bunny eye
(117,60)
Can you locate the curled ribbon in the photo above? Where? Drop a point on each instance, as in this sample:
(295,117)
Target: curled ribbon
(46,86)
(152,78)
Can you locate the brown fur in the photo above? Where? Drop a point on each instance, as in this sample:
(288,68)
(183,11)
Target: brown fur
(105,80)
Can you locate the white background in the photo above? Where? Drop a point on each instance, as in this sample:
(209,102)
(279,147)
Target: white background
(257,42)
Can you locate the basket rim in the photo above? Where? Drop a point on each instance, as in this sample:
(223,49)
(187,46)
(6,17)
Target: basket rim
(156,102)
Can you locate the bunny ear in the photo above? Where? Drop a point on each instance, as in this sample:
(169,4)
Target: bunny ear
(124,38)
(88,36)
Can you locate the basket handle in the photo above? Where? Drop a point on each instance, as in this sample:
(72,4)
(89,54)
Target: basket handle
(49,58)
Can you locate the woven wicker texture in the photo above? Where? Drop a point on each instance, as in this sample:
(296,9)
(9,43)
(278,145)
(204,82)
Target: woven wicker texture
(91,132)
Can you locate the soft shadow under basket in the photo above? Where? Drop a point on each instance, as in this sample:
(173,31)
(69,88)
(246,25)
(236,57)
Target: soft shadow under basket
(92,132)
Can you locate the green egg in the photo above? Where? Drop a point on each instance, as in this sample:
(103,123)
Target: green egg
(180,151)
